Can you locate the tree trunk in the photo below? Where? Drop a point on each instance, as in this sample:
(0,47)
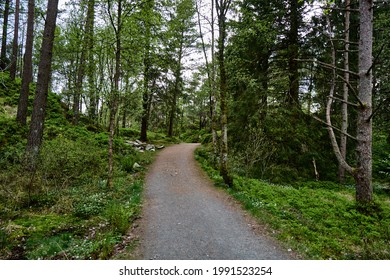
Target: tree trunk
(3,54)
(222,9)
(293,97)
(93,102)
(15,44)
(146,97)
(35,135)
(363,173)
(176,90)
(86,48)
(115,96)
(344,105)
(21,116)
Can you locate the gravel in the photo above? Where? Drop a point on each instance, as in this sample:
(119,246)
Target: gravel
(186,218)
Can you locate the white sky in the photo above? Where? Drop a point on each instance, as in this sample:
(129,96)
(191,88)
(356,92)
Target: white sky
(61,3)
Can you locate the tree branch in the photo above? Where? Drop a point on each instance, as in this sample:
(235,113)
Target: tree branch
(335,145)
(355,94)
(343,101)
(387,100)
(375,59)
(327,65)
(333,127)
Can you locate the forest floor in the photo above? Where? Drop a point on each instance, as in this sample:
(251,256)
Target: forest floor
(186,217)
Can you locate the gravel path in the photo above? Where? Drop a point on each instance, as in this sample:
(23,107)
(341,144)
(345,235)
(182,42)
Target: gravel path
(186,218)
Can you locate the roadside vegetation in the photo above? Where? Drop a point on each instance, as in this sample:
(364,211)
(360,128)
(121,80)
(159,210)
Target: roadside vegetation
(317,220)
(65,210)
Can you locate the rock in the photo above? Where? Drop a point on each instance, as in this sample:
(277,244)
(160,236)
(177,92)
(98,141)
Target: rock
(136,166)
(160,147)
(140,143)
(150,147)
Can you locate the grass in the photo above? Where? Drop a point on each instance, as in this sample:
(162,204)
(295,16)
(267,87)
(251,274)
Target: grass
(318,220)
(95,222)
(65,210)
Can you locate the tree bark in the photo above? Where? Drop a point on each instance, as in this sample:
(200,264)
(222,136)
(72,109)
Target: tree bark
(344,105)
(35,135)
(335,146)
(115,95)
(146,97)
(363,174)
(15,44)
(91,63)
(21,116)
(293,97)
(222,9)
(3,54)
(176,90)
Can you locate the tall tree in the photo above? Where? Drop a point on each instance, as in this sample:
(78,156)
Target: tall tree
(362,173)
(293,48)
(222,8)
(87,36)
(92,93)
(3,54)
(344,105)
(211,72)
(180,32)
(147,12)
(114,98)
(35,135)
(15,46)
(21,116)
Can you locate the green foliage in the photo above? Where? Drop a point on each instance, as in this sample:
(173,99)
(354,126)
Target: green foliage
(129,132)
(318,220)
(197,136)
(89,229)
(118,217)
(64,210)
(64,161)
(381,157)
(326,185)
(92,205)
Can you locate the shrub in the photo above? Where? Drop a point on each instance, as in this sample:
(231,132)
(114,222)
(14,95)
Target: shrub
(64,161)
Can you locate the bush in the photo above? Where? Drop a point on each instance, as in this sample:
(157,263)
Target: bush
(129,132)
(64,162)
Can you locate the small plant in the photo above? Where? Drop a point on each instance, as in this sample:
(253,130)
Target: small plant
(89,206)
(3,238)
(118,217)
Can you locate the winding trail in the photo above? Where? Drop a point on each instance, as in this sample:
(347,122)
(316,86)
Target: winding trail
(186,218)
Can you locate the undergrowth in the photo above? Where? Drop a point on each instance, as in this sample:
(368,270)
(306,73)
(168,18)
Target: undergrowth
(64,210)
(318,220)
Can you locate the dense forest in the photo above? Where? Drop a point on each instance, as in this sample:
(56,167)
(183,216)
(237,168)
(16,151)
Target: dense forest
(283,94)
